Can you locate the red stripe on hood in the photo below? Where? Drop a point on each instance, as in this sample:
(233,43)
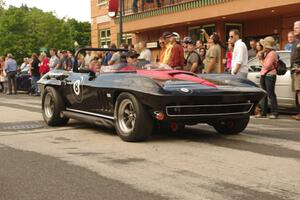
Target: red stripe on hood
(165,75)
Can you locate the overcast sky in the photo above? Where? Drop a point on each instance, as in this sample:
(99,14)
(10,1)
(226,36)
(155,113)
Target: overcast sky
(78,9)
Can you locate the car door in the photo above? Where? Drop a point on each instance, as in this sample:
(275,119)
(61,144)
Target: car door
(283,89)
(91,101)
(254,68)
(80,95)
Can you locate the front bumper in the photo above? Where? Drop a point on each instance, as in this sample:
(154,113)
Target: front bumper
(205,107)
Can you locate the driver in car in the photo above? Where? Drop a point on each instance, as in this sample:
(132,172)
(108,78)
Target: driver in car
(129,62)
(131,58)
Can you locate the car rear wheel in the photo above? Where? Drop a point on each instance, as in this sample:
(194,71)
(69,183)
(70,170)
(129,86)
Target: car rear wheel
(231,126)
(133,122)
(52,106)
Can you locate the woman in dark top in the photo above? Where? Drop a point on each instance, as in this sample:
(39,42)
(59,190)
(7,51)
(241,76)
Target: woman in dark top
(35,74)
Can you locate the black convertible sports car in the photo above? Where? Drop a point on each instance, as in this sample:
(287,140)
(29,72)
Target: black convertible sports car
(137,101)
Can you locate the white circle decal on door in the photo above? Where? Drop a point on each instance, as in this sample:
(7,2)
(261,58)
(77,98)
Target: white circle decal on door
(76,87)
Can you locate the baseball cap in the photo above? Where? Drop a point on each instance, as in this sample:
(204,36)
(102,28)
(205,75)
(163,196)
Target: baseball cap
(188,40)
(177,36)
(167,34)
(132,53)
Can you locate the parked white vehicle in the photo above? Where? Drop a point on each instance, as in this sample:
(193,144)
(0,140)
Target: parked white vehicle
(283,88)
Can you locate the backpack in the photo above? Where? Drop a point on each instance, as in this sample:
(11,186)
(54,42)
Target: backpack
(281,67)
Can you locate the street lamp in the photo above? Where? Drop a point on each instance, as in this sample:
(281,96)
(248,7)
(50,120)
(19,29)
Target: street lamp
(115,6)
(121,20)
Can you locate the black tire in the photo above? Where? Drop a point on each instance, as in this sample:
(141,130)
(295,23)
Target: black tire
(53,116)
(132,121)
(231,126)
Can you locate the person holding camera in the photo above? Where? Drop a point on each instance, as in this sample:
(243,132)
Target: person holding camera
(268,59)
(295,65)
(212,61)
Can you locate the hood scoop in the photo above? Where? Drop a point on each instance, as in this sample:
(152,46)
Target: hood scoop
(191,77)
(165,75)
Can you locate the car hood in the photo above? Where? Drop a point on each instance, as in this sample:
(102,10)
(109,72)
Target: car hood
(175,76)
(171,78)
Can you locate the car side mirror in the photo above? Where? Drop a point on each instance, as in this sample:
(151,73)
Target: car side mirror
(92,75)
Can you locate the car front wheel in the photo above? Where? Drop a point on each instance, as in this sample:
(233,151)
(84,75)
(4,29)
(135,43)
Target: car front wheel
(231,126)
(52,106)
(133,122)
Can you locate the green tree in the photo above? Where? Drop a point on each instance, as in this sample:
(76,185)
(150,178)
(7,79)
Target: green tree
(81,32)
(2,3)
(24,30)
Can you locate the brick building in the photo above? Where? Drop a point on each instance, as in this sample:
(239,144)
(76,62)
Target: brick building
(255,19)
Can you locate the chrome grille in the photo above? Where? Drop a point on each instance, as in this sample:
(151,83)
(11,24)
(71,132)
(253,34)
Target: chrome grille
(208,110)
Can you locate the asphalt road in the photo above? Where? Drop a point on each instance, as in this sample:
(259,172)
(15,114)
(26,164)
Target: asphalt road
(82,161)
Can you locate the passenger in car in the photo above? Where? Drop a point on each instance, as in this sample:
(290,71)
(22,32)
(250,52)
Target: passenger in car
(130,63)
(131,58)
(95,66)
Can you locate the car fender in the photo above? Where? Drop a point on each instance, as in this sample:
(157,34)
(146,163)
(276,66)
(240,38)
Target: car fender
(227,79)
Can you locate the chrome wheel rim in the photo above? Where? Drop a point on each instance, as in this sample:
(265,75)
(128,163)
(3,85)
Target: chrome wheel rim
(48,105)
(126,116)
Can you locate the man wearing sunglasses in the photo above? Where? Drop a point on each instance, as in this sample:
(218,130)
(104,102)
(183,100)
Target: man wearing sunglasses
(162,44)
(239,55)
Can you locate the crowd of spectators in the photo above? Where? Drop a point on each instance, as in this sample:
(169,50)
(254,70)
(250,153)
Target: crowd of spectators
(175,53)
(36,66)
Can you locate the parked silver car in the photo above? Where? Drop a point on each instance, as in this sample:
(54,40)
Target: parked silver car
(283,88)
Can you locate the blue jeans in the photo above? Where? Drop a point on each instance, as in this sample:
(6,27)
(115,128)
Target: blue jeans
(267,83)
(11,81)
(34,86)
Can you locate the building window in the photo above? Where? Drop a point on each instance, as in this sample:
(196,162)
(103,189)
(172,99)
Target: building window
(104,37)
(101,2)
(127,38)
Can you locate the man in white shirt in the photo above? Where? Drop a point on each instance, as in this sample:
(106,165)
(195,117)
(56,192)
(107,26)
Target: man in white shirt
(144,52)
(239,55)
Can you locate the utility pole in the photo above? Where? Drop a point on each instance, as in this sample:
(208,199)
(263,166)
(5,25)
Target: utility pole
(121,2)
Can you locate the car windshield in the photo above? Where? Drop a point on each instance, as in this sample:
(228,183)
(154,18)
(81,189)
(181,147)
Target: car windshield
(255,66)
(100,60)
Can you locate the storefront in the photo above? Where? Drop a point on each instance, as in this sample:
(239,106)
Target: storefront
(255,19)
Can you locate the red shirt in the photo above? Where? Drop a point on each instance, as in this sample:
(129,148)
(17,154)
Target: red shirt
(229,58)
(177,56)
(44,66)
